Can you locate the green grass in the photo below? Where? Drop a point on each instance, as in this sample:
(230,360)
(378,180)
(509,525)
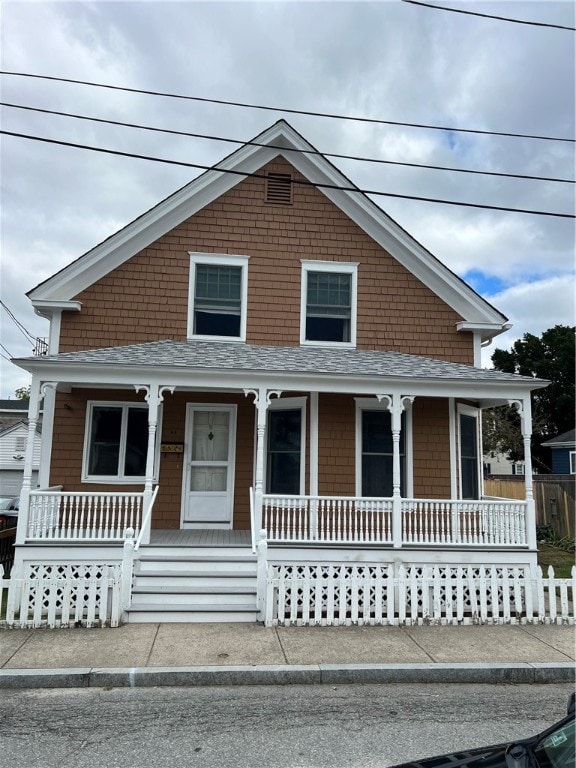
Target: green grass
(559,559)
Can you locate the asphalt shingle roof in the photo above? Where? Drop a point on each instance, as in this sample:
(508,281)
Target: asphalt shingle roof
(331,361)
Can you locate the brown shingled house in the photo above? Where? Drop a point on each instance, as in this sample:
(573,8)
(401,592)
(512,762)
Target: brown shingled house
(259,352)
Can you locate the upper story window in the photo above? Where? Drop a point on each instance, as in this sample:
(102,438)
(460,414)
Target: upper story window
(328,308)
(218,296)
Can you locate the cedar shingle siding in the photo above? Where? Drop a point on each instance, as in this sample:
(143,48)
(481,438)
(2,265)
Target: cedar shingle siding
(146,298)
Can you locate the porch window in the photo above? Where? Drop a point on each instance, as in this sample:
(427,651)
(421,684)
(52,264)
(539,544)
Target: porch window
(377,454)
(328,303)
(284,455)
(469,480)
(219,293)
(116,442)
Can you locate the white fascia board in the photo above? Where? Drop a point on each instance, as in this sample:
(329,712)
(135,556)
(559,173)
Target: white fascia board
(209,379)
(47,308)
(569,444)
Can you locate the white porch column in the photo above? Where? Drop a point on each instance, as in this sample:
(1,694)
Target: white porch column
(524,408)
(261,401)
(154,398)
(395,404)
(24,506)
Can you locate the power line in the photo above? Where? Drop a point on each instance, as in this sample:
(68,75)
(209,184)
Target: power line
(489,16)
(284,109)
(318,185)
(274,146)
(24,331)
(10,356)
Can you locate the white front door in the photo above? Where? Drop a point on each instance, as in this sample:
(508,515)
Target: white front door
(209,466)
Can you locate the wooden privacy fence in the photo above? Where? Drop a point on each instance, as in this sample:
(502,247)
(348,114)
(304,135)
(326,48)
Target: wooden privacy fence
(346,594)
(62,596)
(7,539)
(553,498)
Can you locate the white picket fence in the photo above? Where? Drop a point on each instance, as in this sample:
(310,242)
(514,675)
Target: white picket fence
(62,596)
(347,594)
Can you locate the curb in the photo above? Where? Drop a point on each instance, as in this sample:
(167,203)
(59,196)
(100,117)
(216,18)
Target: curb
(313,674)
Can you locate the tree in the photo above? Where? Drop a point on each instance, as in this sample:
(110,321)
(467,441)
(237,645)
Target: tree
(23,393)
(549,356)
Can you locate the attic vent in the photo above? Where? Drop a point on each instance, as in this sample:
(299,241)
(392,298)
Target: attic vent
(20,444)
(279,188)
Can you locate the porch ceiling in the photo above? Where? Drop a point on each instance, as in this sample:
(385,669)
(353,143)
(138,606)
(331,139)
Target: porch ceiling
(244,365)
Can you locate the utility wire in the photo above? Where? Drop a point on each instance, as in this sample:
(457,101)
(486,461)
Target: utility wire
(489,16)
(283,109)
(318,185)
(7,353)
(26,333)
(277,146)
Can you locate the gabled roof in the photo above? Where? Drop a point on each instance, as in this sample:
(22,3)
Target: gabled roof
(14,405)
(565,440)
(280,139)
(20,426)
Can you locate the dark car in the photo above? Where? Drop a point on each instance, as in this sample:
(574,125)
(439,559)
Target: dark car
(553,748)
(9,510)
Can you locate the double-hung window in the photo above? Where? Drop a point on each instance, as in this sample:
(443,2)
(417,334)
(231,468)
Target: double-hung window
(218,295)
(375,451)
(285,449)
(469,453)
(116,442)
(328,307)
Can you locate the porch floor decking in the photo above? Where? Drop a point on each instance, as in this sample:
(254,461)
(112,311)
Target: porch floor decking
(196,537)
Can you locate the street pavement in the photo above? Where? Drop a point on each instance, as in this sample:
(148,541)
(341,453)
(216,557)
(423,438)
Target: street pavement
(250,654)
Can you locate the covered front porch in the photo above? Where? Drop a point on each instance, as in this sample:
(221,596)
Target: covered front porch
(372,450)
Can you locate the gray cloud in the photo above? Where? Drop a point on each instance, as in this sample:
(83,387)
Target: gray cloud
(386,59)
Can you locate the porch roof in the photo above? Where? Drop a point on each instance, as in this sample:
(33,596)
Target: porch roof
(228,357)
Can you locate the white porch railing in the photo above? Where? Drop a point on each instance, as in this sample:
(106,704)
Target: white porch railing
(476,523)
(80,516)
(327,519)
(430,522)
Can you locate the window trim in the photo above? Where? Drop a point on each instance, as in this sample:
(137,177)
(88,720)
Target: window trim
(572,462)
(369,404)
(467,410)
(118,479)
(289,404)
(217,260)
(342,267)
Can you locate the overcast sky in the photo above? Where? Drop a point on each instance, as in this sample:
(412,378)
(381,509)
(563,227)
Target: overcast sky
(385,60)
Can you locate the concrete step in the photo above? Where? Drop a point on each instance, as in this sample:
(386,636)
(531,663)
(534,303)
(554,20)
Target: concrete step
(217,601)
(159,612)
(194,584)
(196,565)
(199,580)
(196,551)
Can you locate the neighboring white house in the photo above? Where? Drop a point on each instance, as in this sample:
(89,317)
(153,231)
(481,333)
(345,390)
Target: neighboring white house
(501,465)
(13,441)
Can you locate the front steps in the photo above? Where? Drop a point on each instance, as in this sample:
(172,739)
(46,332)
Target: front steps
(194,584)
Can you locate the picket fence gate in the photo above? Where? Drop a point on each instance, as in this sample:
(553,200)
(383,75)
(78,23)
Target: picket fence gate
(62,596)
(347,594)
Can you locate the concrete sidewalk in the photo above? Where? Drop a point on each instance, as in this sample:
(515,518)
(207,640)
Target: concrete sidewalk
(228,654)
